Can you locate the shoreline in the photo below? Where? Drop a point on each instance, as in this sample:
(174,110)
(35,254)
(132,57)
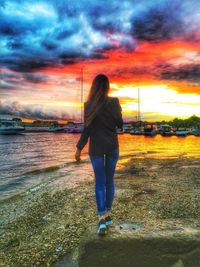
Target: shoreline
(43,226)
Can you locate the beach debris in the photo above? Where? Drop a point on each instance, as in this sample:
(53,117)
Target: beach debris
(36,188)
(48,216)
(129,226)
(62,227)
(59,249)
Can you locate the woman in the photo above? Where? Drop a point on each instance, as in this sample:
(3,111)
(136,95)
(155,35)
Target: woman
(102,114)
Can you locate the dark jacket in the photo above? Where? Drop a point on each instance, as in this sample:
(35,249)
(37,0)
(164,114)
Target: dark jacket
(102,131)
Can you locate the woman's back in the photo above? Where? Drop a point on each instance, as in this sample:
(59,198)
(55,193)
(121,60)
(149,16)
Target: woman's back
(102,131)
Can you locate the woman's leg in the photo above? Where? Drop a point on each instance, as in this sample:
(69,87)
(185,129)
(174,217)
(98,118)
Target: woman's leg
(100,182)
(110,165)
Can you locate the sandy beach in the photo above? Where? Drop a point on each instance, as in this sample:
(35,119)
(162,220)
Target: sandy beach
(38,228)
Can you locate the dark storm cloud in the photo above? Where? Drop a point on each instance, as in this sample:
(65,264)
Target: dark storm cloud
(26,64)
(11,81)
(36,78)
(106,23)
(161,71)
(127,72)
(15,25)
(39,34)
(49,45)
(159,22)
(188,72)
(16,109)
(5,75)
(67,8)
(6,86)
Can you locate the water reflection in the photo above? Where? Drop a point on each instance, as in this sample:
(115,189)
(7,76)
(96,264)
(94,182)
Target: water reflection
(23,154)
(159,146)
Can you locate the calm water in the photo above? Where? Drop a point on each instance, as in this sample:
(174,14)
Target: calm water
(22,154)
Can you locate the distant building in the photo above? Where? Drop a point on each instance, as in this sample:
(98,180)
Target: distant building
(44,123)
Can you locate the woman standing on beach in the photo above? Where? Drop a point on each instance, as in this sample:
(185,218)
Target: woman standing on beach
(102,115)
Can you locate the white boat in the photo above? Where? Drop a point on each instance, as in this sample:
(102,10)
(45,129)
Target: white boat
(10,127)
(137,131)
(182,132)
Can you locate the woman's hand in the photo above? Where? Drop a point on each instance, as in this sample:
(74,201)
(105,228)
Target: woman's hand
(78,154)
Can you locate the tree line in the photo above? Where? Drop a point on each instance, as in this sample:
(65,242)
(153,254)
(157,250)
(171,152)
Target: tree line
(193,121)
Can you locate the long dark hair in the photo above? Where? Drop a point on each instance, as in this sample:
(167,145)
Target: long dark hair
(97,97)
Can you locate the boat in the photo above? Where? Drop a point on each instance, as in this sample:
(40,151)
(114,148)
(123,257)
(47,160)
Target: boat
(127,127)
(181,132)
(10,127)
(137,131)
(56,128)
(166,130)
(196,132)
(75,129)
(150,130)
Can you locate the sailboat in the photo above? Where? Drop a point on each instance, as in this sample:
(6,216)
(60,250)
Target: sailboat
(138,130)
(78,127)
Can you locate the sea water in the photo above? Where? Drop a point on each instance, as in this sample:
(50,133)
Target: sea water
(29,160)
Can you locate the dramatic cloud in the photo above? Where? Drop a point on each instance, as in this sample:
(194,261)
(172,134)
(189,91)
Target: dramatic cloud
(189,72)
(35,35)
(14,108)
(44,45)
(160,22)
(36,78)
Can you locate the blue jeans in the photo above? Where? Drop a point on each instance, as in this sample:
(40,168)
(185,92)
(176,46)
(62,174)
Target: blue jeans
(104,169)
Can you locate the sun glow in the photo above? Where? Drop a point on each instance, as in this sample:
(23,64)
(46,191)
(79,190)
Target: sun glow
(156,99)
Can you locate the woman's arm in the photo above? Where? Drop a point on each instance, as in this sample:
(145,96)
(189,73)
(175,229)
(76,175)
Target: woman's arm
(85,134)
(119,119)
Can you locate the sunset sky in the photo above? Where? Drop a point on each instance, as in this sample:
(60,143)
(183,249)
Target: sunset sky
(153,45)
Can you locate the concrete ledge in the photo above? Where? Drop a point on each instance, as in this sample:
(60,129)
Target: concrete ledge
(124,247)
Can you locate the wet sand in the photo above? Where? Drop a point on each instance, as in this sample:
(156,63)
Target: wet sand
(37,228)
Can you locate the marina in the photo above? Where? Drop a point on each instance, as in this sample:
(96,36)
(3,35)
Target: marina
(146,128)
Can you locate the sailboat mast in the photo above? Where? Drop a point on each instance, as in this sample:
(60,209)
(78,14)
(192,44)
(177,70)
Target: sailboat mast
(81,95)
(139,117)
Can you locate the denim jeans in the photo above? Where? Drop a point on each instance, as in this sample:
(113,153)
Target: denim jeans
(104,169)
